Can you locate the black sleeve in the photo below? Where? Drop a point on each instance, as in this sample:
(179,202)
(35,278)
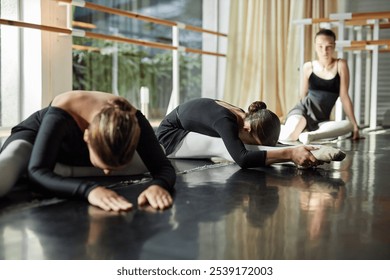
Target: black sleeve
(44,156)
(228,130)
(152,155)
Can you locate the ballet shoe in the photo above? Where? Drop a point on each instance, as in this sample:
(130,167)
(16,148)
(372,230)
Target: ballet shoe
(328,154)
(325,154)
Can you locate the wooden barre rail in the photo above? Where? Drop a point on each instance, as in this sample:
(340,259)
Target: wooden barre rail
(358,18)
(128,14)
(85,48)
(93,35)
(372,15)
(349,22)
(363,48)
(35,26)
(370,42)
(85,25)
(364,23)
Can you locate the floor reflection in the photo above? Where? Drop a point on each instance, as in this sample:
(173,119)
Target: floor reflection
(337,211)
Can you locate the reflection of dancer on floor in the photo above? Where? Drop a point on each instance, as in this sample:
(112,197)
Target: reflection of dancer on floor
(79,131)
(204,128)
(324,80)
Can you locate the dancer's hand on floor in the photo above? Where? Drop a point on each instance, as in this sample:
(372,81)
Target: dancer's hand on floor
(156,196)
(108,200)
(356,135)
(302,156)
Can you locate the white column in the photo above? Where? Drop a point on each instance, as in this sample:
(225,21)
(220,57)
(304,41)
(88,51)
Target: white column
(374,77)
(340,54)
(351,64)
(32,55)
(10,67)
(209,43)
(358,78)
(215,16)
(175,94)
(144,97)
(367,81)
(341,26)
(114,70)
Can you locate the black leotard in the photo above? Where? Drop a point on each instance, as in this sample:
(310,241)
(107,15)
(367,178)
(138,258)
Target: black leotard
(56,137)
(205,116)
(319,102)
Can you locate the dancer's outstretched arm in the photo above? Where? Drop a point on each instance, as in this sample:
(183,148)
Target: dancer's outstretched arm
(300,155)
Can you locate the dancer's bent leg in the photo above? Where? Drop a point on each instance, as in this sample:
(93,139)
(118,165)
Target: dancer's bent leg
(13,163)
(330,129)
(294,125)
(196,145)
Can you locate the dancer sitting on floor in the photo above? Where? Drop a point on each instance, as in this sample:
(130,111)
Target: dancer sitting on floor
(81,130)
(324,80)
(205,128)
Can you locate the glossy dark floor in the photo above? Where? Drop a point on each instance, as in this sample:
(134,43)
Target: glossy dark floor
(338,211)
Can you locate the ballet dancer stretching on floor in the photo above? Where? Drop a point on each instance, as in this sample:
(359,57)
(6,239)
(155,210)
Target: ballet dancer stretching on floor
(87,134)
(324,80)
(205,128)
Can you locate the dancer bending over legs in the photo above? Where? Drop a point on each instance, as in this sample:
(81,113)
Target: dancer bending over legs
(324,80)
(205,128)
(81,130)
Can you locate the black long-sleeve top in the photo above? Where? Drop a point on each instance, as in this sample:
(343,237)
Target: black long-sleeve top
(59,139)
(205,116)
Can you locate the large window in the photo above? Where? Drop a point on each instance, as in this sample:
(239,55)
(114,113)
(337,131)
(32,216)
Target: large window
(124,68)
(37,65)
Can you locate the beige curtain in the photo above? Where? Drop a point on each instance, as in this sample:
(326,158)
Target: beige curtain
(263,50)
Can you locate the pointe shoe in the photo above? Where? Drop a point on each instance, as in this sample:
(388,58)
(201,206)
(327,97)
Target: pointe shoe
(328,154)
(325,154)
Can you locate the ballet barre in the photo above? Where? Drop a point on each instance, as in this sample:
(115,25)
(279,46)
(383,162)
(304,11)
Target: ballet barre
(93,35)
(176,26)
(113,11)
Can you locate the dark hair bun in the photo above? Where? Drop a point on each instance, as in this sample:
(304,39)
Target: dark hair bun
(256,106)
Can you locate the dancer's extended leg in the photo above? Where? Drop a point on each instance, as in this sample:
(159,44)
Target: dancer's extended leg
(294,125)
(329,129)
(13,163)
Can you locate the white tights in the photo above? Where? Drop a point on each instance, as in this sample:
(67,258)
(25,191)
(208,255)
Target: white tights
(196,145)
(295,124)
(13,163)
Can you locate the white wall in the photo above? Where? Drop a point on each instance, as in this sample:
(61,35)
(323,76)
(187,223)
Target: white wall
(10,65)
(35,65)
(216,18)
